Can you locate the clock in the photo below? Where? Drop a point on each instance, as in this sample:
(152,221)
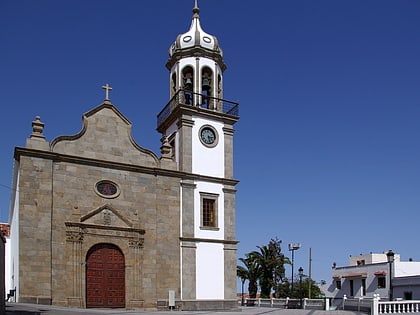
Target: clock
(208,136)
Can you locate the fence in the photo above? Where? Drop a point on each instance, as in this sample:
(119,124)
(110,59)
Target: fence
(394,307)
(375,306)
(288,303)
(372,306)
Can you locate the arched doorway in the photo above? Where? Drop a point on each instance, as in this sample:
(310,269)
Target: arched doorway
(105,277)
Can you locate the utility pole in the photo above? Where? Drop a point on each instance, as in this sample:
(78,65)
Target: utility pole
(310,273)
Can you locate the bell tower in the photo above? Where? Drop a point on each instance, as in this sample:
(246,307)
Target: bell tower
(198,124)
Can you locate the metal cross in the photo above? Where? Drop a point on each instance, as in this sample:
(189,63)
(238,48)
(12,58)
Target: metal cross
(107,88)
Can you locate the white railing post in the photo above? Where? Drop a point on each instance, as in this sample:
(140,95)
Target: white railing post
(327,304)
(374,310)
(344,300)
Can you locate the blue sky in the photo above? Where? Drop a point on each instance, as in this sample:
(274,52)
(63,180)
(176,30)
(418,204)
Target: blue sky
(327,147)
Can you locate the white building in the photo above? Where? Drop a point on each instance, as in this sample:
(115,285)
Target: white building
(370,274)
(5,230)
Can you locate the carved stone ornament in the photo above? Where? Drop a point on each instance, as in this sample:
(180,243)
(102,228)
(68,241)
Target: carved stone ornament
(74,236)
(136,243)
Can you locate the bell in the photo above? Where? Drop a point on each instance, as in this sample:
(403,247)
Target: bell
(188,82)
(206,84)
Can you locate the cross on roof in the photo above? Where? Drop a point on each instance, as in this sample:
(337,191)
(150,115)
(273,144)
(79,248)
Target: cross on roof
(107,88)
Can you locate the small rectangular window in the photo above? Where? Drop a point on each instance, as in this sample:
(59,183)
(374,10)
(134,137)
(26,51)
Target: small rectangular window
(351,288)
(381,282)
(209,211)
(209,216)
(408,295)
(338,284)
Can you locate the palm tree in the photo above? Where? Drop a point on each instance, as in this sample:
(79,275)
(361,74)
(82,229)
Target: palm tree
(242,273)
(250,271)
(270,261)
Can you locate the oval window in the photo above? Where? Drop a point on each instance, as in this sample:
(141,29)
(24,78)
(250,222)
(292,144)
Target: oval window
(187,38)
(107,189)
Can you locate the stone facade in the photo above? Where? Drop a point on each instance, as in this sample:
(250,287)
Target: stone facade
(62,215)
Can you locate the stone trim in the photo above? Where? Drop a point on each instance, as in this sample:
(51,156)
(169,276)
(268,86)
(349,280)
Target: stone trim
(214,305)
(56,157)
(207,240)
(229,190)
(76,231)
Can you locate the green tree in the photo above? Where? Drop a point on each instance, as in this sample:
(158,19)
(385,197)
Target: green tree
(266,267)
(270,261)
(316,292)
(249,271)
(242,274)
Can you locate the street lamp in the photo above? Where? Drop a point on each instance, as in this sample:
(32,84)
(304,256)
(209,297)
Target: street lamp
(292,248)
(242,293)
(300,285)
(390,256)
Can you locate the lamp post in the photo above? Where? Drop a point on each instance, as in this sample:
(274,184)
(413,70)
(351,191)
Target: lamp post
(300,285)
(292,248)
(242,293)
(390,256)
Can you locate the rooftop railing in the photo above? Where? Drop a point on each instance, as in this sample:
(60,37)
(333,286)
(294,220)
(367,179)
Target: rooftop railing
(185,97)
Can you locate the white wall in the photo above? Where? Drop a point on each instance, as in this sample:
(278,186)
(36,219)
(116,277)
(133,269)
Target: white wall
(210,271)
(406,269)
(208,161)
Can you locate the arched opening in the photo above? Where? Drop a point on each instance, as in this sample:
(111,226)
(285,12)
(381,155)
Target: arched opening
(206,85)
(188,84)
(173,84)
(105,277)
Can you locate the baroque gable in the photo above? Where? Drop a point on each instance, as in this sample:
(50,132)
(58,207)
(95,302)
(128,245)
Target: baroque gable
(105,135)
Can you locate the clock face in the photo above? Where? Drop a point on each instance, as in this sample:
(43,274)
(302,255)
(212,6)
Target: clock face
(208,136)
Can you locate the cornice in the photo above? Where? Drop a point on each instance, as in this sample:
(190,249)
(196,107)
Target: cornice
(207,240)
(58,157)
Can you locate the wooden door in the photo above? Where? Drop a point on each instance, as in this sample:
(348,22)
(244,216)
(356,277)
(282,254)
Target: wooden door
(105,277)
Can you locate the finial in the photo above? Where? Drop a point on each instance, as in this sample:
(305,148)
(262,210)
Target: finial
(166,148)
(196,10)
(107,88)
(37,128)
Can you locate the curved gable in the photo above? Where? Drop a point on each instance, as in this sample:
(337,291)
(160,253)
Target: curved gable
(105,135)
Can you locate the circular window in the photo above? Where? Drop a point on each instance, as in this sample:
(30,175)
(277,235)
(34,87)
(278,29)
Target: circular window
(107,189)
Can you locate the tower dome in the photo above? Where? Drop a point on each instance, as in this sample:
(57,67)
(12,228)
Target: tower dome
(195,42)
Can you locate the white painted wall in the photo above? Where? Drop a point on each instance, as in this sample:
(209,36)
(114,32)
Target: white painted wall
(7,267)
(210,271)
(14,239)
(208,161)
(406,268)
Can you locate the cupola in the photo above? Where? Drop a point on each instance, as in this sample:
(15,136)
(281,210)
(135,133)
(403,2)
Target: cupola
(195,42)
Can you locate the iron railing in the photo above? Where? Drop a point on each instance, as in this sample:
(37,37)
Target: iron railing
(185,97)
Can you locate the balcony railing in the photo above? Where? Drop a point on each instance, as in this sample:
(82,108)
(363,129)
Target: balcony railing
(184,97)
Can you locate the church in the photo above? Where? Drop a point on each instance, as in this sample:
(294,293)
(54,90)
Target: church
(98,221)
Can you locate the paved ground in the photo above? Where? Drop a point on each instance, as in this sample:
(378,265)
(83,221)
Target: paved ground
(31,309)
